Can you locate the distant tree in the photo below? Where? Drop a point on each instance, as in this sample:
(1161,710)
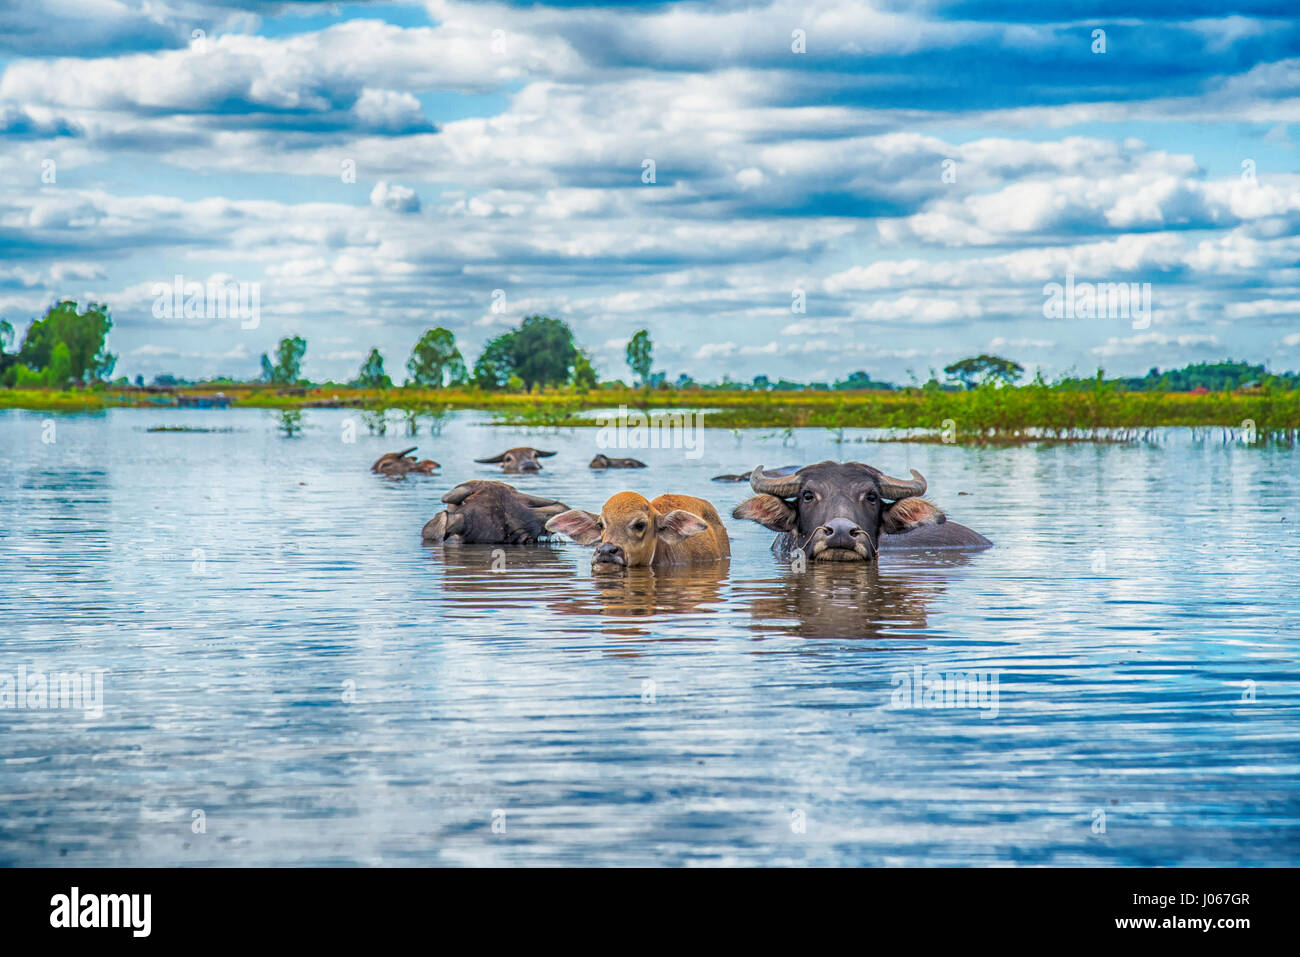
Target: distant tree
(435,361)
(372,375)
(83,333)
(288,360)
(496,363)
(268,370)
(544,351)
(59,372)
(985,369)
(584,372)
(6,335)
(640,355)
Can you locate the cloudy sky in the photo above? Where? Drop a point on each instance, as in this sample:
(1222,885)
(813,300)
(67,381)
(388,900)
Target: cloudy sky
(918,170)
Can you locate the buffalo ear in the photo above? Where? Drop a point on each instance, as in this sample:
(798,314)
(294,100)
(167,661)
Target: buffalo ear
(580,526)
(768,510)
(909,513)
(679,525)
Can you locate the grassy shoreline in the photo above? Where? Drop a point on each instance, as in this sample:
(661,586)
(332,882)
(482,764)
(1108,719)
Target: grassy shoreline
(1029,413)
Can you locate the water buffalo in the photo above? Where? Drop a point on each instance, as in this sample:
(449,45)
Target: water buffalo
(491,513)
(744,477)
(402,463)
(632,532)
(605,462)
(522,459)
(849,511)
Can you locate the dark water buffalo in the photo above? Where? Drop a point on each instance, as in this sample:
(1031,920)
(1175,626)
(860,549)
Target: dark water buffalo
(402,463)
(744,477)
(522,459)
(491,513)
(605,462)
(633,532)
(849,511)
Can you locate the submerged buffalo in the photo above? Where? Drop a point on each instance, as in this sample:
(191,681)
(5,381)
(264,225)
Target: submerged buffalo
(633,532)
(605,462)
(491,513)
(849,511)
(744,476)
(402,463)
(522,459)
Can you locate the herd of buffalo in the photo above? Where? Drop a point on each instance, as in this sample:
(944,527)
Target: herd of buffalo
(831,511)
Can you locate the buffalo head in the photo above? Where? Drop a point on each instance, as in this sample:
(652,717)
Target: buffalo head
(522,459)
(491,513)
(398,464)
(632,532)
(836,512)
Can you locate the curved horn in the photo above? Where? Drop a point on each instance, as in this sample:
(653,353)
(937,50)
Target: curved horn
(901,488)
(405,452)
(542,455)
(782,486)
(535,501)
(493,460)
(460,493)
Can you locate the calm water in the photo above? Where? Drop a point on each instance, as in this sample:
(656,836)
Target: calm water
(285,658)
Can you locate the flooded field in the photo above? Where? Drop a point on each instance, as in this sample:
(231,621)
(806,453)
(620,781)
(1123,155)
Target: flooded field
(289,677)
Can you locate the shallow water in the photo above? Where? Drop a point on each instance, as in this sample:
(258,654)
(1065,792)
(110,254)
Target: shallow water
(291,678)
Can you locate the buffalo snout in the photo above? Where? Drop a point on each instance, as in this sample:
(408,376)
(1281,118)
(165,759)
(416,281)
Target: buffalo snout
(607,553)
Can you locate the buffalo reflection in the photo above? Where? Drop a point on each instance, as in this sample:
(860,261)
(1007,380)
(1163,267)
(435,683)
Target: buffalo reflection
(645,591)
(846,599)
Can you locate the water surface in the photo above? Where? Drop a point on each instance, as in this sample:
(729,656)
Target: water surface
(291,678)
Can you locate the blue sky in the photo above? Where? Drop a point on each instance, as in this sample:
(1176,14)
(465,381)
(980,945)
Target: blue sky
(501,146)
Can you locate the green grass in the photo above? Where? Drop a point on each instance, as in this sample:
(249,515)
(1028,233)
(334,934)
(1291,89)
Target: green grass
(1036,412)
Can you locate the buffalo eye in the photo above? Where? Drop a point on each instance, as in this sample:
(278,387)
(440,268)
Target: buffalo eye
(808,496)
(639,527)
(872,497)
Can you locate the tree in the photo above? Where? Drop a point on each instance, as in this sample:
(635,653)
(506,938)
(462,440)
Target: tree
(640,355)
(288,360)
(372,375)
(985,369)
(496,363)
(584,372)
(435,360)
(59,371)
(84,335)
(544,351)
(268,370)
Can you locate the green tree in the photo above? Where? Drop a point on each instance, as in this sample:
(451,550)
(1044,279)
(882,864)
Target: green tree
(372,375)
(288,361)
(83,333)
(544,351)
(640,355)
(985,369)
(59,371)
(435,360)
(584,372)
(496,363)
